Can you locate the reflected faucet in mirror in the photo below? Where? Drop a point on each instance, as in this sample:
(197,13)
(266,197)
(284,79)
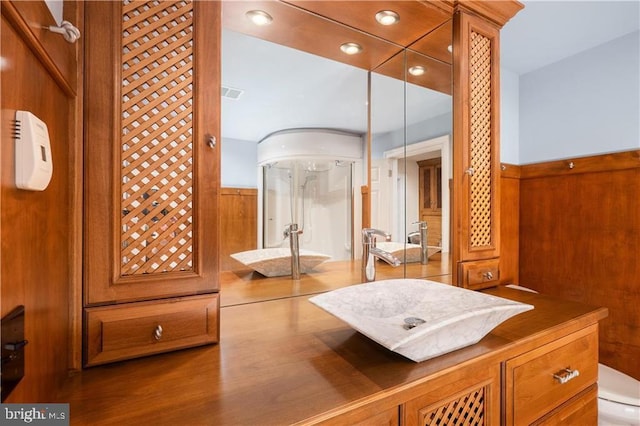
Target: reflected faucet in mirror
(422,240)
(291,230)
(370,252)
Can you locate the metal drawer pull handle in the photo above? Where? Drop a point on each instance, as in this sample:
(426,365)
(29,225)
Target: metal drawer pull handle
(563,376)
(157,334)
(488,275)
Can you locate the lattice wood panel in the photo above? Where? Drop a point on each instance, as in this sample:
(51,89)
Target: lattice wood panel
(156,139)
(480,148)
(468,410)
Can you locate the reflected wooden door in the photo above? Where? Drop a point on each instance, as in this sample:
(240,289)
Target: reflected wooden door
(430,198)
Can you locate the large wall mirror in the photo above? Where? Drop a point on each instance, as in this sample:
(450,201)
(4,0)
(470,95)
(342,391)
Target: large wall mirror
(308,126)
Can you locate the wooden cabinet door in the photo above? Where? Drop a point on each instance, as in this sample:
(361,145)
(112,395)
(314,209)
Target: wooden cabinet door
(365,416)
(469,396)
(151,162)
(476,135)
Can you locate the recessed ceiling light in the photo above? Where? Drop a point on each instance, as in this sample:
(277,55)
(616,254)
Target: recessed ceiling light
(387,17)
(417,70)
(351,48)
(259,17)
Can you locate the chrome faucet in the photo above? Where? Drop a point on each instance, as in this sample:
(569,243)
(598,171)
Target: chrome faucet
(370,252)
(291,230)
(424,253)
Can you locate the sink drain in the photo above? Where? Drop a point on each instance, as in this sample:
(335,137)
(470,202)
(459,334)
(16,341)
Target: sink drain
(412,322)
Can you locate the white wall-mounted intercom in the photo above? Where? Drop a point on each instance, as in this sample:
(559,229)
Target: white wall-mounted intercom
(34,164)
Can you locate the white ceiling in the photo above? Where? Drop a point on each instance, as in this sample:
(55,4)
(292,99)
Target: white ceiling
(286,89)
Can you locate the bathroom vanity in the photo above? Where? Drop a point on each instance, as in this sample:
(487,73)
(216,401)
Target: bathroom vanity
(509,377)
(538,367)
(282,360)
(285,361)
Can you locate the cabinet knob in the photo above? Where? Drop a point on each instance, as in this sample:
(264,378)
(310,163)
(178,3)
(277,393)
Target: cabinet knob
(488,275)
(211,141)
(563,376)
(470,171)
(157,333)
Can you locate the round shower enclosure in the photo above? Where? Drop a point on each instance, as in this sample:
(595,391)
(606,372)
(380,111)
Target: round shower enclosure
(307,177)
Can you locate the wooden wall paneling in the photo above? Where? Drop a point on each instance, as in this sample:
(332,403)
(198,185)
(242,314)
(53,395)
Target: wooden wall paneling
(509,223)
(580,238)
(589,164)
(238,224)
(58,56)
(39,241)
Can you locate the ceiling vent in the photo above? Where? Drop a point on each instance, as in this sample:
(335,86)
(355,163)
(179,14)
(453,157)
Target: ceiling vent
(231,93)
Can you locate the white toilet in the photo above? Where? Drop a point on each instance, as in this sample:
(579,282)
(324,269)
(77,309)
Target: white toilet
(618,394)
(618,398)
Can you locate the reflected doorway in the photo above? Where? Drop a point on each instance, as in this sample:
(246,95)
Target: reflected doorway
(405,192)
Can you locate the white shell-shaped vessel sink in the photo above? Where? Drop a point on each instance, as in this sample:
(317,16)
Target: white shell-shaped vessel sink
(412,250)
(416,318)
(276,262)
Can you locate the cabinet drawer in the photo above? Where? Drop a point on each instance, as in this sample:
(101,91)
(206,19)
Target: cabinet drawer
(531,388)
(581,410)
(135,329)
(480,274)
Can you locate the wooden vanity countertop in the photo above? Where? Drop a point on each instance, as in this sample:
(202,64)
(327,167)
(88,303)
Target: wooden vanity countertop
(285,360)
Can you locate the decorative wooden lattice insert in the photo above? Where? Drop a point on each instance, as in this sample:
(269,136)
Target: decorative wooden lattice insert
(156,138)
(480,148)
(468,410)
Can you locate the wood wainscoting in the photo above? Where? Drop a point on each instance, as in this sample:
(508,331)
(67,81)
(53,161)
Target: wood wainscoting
(41,230)
(509,223)
(580,239)
(238,224)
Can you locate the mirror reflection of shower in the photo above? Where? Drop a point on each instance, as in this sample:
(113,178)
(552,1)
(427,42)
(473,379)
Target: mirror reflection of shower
(308,177)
